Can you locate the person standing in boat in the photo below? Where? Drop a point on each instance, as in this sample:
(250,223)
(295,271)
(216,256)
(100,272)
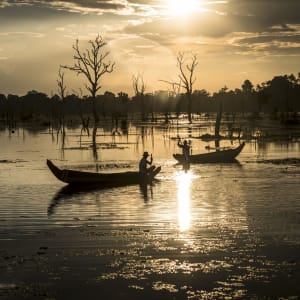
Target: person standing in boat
(144,162)
(186,148)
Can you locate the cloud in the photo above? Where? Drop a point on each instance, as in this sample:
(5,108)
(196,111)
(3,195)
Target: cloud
(118,7)
(18,34)
(220,17)
(265,13)
(229,35)
(269,44)
(216,24)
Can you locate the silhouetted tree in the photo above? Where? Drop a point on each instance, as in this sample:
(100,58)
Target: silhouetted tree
(247,88)
(219,97)
(186,65)
(123,105)
(201,99)
(62,94)
(262,97)
(92,64)
(61,84)
(123,97)
(2,104)
(139,88)
(278,88)
(62,91)
(36,103)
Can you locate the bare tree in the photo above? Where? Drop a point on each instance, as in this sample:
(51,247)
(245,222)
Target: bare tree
(93,65)
(186,65)
(138,84)
(62,93)
(247,88)
(219,97)
(139,88)
(61,90)
(61,84)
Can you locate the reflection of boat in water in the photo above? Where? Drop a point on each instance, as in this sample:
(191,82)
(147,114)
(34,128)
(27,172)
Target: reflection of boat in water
(220,156)
(65,193)
(90,179)
(71,192)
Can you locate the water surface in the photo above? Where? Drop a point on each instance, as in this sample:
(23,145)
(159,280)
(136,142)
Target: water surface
(225,230)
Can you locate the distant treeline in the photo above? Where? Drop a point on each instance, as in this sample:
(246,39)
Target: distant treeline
(280,96)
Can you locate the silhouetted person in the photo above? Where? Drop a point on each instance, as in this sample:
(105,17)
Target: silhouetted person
(185,150)
(144,162)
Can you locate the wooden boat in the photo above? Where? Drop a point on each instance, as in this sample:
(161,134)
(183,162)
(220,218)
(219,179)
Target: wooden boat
(81,178)
(221,156)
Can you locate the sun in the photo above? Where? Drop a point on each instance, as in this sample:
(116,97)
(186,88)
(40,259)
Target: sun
(182,7)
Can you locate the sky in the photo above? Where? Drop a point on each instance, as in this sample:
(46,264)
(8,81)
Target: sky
(234,40)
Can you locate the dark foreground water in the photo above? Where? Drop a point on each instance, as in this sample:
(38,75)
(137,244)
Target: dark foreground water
(218,231)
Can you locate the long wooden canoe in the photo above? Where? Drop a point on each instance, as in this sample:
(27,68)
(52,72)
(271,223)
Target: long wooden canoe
(221,156)
(80,178)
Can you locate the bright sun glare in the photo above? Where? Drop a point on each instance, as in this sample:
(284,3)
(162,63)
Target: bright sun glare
(182,7)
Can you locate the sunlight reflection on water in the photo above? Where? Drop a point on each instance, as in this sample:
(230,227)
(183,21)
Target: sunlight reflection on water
(183,197)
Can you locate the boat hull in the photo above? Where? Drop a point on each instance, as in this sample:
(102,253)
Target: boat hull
(74,177)
(222,156)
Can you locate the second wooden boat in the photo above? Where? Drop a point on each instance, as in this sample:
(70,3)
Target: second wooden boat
(221,156)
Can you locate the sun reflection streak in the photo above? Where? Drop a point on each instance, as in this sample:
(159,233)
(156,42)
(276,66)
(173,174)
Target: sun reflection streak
(183,198)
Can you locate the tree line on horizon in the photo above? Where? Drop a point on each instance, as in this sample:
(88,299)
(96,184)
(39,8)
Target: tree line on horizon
(280,95)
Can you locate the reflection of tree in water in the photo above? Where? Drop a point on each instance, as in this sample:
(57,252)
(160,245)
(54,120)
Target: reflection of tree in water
(145,132)
(61,134)
(94,143)
(116,127)
(124,127)
(61,112)
(110,129)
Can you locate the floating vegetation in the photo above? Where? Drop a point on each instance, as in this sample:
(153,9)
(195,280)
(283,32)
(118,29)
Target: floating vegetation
(6,161)
(136,287)
(137,269)
(159,286)
(76,148)
(9,161)
(281,161)
(111,146)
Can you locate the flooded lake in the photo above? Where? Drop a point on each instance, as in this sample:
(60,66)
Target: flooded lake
(218,231)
